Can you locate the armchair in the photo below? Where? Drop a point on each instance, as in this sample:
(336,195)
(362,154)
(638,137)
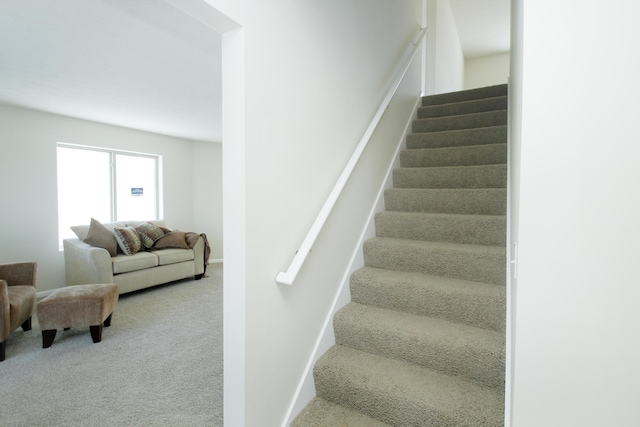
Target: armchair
(17,299)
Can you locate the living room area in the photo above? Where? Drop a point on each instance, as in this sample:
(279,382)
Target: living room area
(71,100)
(84,93)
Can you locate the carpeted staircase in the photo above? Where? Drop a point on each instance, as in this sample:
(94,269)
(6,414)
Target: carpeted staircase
(422,342)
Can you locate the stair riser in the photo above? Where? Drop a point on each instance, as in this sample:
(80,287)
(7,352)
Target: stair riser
(332,414)
(479,202)
(467,95)
(454,177)
(469,303)
(458,156)
(438,345)
(468,121)
(467,107)
(481,264)
(474,230)
(458,138)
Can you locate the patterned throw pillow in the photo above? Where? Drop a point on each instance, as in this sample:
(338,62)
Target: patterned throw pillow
(128,240)
(101,237)
(150,233)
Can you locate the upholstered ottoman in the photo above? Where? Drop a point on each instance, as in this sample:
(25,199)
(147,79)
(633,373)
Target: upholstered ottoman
(76,307)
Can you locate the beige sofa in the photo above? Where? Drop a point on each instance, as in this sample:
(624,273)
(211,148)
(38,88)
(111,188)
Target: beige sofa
(87,264)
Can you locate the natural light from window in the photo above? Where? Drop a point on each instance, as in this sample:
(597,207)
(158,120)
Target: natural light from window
(106,185)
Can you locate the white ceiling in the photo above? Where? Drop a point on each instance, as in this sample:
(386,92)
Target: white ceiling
(146,65)
(141,64)
(483,26)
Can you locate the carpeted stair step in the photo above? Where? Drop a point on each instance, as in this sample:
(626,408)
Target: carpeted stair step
(402,393)
(459,261)
(472,353)
(322,413)
(464,107)
(489,230)
(461,301)
(486,201)
(454,156)
(485,176)
(465,121)
(465,95)
(458,138)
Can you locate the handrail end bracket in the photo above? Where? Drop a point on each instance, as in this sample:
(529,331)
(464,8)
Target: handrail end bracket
(284,279)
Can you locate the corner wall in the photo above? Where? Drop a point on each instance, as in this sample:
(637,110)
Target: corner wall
(207,194)
(449,58)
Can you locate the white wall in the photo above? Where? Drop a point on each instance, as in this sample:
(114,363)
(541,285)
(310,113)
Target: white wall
(486,71)
(449,59)
(365,189)
(576,346)
(29,214)
(314,74)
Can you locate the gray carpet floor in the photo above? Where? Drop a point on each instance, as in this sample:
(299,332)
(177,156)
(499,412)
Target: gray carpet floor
(159,364)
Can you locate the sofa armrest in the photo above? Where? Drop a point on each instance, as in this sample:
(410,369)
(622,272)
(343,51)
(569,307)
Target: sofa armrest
(85,264)
(5,319)
(198,252)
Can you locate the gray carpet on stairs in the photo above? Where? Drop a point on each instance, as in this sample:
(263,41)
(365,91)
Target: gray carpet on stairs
(482,176)
(458,138)
(422,342)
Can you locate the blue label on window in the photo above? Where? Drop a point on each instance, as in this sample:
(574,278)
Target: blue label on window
(137,191)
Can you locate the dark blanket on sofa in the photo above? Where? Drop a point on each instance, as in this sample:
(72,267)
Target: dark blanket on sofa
(192,238)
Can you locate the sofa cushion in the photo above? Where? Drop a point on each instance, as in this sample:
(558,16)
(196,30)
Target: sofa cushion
(149,233)
(138,261)
(172,256)
(175,239)
(101,237)
(128,240)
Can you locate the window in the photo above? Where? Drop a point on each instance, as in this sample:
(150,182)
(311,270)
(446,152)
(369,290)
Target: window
(107,185)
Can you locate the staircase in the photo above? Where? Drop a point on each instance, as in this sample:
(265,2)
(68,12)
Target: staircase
(422,342)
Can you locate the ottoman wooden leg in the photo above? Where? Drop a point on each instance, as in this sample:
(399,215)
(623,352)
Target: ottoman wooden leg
(96,332)
(26,326)
(47,337)
(107,321)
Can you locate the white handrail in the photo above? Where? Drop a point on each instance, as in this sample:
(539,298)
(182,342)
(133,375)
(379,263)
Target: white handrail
(287,277)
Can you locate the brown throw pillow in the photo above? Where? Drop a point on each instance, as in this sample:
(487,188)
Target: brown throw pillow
(128,240)
(101,237)
(175,239)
